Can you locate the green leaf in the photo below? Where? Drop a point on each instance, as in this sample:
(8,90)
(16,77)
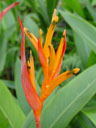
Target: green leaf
(43,10)
(3,121)
(71,60)
(69,100)
(30,121)
(19,90)
(3,53)
(94,2)
(75,7)
(52,4)
(31,25)
(91,10)
(84,121)
(9,24)
(82,48)
(9,84)
(91,114)
(82,27)
(91,59)
(9,108)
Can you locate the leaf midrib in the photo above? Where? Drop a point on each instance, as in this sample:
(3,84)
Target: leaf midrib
(6,116)
(68,107)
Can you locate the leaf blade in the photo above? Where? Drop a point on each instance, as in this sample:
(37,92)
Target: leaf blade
(9,108)
(64,106)
(82,27)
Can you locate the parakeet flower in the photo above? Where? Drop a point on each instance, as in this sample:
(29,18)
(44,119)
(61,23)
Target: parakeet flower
(7,9)
(51,62)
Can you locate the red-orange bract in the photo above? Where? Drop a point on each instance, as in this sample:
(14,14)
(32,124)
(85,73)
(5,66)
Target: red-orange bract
(51,69)
(30,92)
(7,9)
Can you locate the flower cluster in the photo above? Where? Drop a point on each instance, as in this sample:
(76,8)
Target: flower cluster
(51,62)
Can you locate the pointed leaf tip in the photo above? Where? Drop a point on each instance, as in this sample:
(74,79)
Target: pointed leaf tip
(16,3)
(7,9)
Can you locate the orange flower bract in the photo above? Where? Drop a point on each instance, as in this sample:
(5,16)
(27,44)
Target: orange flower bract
(51,63)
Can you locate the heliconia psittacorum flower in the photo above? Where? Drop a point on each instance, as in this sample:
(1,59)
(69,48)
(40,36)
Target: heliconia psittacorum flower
(51,62)
(7,9)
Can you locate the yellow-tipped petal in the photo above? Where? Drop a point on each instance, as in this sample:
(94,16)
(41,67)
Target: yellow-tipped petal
(54,17)
(41,37)
(59,50)
(76,70)
(58,54)
(64,76)
(32,38)
(50,33)
(31,70)
(52,59)
(47,90)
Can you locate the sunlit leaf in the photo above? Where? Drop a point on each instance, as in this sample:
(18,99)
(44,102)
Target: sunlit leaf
(82,48)
(9,108)
(3,121)
(74,7)
(69,100)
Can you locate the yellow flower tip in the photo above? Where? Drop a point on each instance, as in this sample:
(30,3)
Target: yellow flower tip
(55,11)
(76,70)
(25,29)
(40,32)
(28,63)
(64,32)
(55,18)
(30,53)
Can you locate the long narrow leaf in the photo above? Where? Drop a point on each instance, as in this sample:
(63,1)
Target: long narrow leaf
(3,53)
(74,7)
(82,48)
(82,27)
(9,108)
(69,100)
(91,114)
(52,4)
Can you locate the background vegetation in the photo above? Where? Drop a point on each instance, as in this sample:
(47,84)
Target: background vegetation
(73,103)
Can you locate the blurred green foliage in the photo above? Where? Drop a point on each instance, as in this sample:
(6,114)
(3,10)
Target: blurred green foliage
(67,106)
